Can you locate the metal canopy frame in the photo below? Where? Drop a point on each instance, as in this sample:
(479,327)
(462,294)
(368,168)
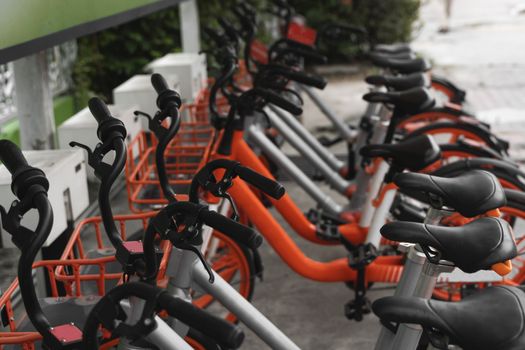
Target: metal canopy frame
(32,46)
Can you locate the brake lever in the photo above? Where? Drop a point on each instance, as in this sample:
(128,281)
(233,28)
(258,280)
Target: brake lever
(187,239)
(203,261)
(143,114)
(96,156)
(266,117)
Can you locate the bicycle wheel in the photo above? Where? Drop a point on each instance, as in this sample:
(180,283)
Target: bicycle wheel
(449,133)
(432,116)
(451,153)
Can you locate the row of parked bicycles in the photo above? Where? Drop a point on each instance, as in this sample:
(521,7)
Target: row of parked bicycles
(432,204)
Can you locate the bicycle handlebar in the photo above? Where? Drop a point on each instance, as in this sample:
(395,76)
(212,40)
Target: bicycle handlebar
(12,156)
(240,233)
(226,334)
(298,76)
(99,110)
(279,101)
(106,311)
(30,186)
(284,46)
(270,187)
(159,83)
(307,79)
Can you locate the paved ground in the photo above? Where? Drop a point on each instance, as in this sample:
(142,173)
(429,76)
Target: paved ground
(483,53)
(309,312)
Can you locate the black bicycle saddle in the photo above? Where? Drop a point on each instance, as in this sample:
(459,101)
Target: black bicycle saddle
(492,319)
(412,154)
(381,55)
(470,194)
(401,82)
(401,65)
(475,246)
(411,101)
(392,48)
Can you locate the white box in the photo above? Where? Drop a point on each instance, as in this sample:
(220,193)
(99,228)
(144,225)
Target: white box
(68,189)
(138,91)
(189,67)
(82,128)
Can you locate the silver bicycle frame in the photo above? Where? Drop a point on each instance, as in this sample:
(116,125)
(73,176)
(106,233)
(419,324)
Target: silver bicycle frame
(380,125)
(185,270)
(297,141)
(255,135)
(418,279)
(328,157)
(408,335)
(163,336)
(344,130)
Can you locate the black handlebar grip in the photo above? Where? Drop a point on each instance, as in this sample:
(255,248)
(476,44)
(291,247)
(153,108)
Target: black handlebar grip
(310,54)
(307,79)
(279,101)
(281,4)
(270,187)
(228,335)
(99,109)
(238,232)
(159,83)
(12,156)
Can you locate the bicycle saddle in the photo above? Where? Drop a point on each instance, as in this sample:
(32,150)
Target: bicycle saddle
(413,154)
(472,247)
(401,65)
(392,48)
(470,194)
(492,319)
(408,102)
(515,196)
(378,55)
(399,83)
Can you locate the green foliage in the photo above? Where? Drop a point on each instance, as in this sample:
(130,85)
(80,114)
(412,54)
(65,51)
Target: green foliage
(386,21)
(110,57)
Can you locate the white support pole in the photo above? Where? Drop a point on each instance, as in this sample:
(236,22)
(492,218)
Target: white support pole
(189,25)
(34,101)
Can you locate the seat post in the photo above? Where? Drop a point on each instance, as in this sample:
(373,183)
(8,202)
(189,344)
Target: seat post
(396,115)
(417,278)
(408,335)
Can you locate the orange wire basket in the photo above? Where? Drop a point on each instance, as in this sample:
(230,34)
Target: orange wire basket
(185,155)
(16,332)
(89,242)
(86,271)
